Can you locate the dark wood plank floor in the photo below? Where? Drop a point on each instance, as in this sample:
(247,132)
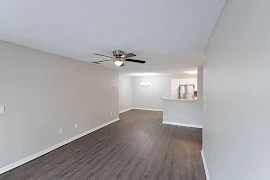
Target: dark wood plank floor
(137,147)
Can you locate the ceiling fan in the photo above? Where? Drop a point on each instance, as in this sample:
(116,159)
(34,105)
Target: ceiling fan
(119,57)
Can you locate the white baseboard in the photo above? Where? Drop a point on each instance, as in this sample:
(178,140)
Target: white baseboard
(205,166)
(180,124)
(148,109)
(125,110)
(34,156)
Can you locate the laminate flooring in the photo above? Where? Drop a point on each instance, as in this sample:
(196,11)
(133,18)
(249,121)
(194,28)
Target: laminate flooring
(137,147)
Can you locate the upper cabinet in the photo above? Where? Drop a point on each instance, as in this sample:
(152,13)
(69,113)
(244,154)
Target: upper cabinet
(175,82)
(189,81)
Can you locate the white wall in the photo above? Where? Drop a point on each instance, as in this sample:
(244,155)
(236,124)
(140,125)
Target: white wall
(237,120)
(43,93)
(149,97)
(125,92)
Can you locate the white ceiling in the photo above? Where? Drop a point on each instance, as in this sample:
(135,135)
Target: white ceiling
(169,34)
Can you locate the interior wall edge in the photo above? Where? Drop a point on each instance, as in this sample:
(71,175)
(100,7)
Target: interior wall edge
(181,124)
(147,109)
(125,110)
(205,166)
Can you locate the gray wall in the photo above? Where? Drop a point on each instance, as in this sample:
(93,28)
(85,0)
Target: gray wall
(125,92)
(149,97)
(179,112)
(185,112)
(236,85)
(43,93)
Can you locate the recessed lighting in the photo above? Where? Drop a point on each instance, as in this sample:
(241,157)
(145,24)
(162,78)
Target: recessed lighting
(147,74)
(191,72)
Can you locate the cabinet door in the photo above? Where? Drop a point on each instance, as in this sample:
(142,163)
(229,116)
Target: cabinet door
(183,81)
(174,88)
(174,84)
(193,81)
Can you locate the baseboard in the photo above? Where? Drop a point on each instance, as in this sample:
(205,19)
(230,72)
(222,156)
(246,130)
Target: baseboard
(125,110)
(148,109)
(205,166)
(180,124)
(41,153)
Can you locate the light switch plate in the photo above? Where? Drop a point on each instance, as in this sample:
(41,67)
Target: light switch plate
(2,109)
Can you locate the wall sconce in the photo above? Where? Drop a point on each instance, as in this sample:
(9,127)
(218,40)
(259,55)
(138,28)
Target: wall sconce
(145,84)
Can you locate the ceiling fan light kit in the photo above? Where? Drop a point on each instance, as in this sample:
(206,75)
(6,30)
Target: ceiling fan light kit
(119,57)
(118,62)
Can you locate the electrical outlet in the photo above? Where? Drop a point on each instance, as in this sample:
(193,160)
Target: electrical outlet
(76,125)
(125,104)
(179,115)
(2,109)
(111,113)
(60,131)
(205,107)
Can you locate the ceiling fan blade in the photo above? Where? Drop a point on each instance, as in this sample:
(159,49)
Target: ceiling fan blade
(128,55)
(98,62)
(135,60)
(102,55)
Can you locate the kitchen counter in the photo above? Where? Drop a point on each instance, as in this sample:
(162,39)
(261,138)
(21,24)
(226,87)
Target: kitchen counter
(170,99)
(182,112)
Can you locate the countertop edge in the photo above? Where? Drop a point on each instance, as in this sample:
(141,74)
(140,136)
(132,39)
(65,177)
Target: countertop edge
(185,100)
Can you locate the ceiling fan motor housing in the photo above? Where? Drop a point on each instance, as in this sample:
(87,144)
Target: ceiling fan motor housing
(118,53)
(119,57)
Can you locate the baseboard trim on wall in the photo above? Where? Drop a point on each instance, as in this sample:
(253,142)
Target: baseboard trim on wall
(41,153)
(125,110)
(205,166)
(180,124)
(148,109)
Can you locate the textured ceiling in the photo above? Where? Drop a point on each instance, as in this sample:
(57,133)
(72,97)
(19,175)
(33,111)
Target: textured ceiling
(168,34)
